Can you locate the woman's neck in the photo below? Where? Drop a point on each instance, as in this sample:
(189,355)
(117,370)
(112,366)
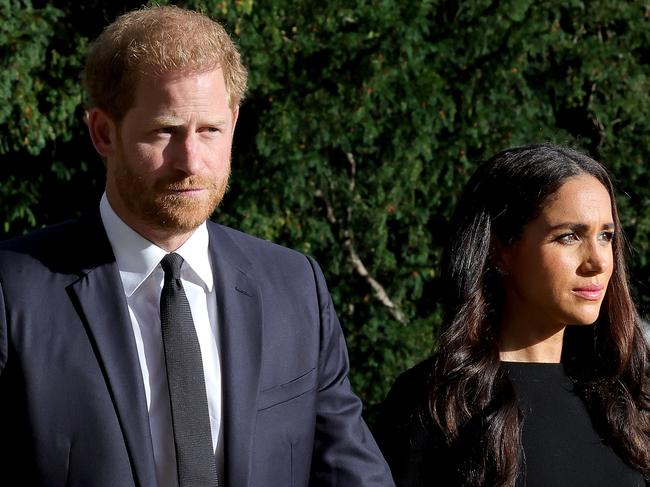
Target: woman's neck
(529,339)
(547,351)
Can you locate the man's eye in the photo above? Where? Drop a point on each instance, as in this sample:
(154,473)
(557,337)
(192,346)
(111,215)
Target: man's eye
(165,130)
(568,238)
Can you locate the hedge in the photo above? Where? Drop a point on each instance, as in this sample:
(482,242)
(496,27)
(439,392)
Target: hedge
(362,122)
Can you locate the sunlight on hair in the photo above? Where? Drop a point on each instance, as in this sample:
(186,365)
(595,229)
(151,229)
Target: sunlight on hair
(155,41)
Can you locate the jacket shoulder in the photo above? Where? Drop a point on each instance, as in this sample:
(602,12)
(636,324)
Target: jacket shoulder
(266,256)
(408,397)
(39,239)
(65,247)
(255,245)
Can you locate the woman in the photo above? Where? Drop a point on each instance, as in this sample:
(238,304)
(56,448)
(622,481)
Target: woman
(515,396)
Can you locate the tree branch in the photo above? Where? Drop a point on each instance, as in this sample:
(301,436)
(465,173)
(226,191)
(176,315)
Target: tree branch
(348,244)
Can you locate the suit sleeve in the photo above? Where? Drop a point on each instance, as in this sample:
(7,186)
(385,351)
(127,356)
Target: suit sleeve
(345,453)
(4,347)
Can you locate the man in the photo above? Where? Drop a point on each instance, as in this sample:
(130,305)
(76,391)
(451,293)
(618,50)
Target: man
(145,346)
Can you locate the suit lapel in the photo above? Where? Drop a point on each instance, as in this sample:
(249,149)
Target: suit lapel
(102,305)
(240,333)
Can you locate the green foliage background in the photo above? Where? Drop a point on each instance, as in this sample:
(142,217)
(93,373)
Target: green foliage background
(362,122)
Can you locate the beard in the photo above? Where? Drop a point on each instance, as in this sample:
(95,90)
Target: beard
(159,204)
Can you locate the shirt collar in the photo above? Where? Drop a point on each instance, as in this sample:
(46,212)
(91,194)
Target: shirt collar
(138,257)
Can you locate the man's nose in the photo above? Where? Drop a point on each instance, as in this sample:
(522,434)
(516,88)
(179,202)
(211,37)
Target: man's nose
(187,156)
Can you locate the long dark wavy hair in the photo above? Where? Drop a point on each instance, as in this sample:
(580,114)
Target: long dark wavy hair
(472,400)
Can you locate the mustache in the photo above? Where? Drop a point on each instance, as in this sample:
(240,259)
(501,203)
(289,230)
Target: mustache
(188,183)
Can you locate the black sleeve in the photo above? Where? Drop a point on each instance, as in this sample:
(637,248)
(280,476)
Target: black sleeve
(404,433)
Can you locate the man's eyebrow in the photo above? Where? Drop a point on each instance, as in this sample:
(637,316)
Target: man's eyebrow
(580,227)
(171,121)
(167,120)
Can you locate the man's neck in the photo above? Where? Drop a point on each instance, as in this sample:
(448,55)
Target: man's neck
(166,239)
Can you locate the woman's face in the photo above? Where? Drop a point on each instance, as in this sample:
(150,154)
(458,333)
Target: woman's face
(557,273)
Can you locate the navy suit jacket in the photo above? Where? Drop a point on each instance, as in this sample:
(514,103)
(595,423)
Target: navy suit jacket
(72,402)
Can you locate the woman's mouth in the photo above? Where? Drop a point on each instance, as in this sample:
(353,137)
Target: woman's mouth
(592,292)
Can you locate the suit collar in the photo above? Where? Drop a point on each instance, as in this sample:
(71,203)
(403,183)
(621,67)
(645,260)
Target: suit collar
(223,246)
(101,303)
(240,331)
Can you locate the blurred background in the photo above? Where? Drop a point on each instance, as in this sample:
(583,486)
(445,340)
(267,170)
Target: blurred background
(363,120)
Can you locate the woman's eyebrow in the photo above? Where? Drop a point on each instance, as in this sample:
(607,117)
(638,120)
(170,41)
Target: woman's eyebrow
(580,227)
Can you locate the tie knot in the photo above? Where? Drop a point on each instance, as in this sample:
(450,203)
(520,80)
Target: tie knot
(171,264)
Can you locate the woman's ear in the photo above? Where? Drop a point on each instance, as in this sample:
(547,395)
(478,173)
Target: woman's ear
(499,257)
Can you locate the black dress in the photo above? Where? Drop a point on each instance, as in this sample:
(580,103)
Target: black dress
(561,447)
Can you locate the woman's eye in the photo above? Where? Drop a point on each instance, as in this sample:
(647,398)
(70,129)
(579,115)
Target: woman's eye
(568,238)
(606,236)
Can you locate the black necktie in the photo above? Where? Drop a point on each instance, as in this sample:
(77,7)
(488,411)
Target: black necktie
(195,457)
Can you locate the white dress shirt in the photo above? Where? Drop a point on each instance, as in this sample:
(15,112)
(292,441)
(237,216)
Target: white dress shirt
(138,261)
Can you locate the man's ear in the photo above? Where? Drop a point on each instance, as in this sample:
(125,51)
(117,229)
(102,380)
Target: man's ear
(235,116)
(103,132)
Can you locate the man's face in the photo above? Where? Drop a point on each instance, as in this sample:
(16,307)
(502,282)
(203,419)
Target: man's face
(171,160)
